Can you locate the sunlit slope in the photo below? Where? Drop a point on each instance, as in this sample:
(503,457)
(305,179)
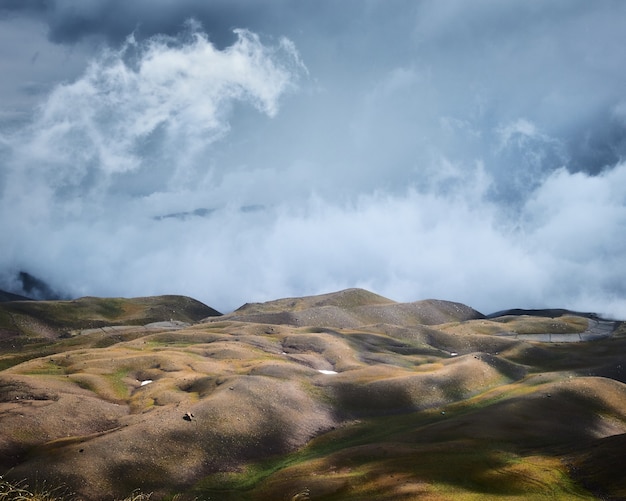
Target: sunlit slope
(380,407)
(352,308)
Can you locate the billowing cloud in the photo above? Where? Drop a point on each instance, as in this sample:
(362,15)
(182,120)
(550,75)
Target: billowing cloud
(141,119)
(418,149)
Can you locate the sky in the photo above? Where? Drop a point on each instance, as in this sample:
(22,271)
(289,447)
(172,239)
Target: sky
(238,151)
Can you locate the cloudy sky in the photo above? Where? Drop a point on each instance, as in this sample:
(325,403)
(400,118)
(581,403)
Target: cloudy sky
(240,151)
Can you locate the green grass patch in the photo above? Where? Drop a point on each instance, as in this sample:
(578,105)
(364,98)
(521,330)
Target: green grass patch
(47,367)
(6,321)
(116,380)
(459,470)
(239,484)
(540,325)
(8,361)
(84,383)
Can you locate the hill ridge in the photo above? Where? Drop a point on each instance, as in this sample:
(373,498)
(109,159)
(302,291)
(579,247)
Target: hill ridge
(352,308)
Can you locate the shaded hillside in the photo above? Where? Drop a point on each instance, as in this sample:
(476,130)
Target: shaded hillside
(9,296)
(355,397)
(33,328)
(43,317)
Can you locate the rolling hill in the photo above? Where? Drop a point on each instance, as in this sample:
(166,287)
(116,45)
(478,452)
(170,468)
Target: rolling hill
(347,395)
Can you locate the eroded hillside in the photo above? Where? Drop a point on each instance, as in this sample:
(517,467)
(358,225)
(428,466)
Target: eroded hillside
(341,396)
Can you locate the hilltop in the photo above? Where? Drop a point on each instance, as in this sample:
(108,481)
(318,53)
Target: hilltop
(347,395)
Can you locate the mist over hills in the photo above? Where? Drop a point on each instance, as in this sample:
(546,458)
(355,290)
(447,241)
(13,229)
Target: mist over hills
(238,152)
(345,395)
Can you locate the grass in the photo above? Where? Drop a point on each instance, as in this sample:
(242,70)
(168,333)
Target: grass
(392,458)
(508,475)
(22,491)
(47,368)
(34,317)
(7,362)
(539,325)
(342,470)
(117,382)
(468,474)
(438,453)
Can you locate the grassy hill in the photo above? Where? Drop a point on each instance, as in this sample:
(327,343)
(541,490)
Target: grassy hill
(341,396)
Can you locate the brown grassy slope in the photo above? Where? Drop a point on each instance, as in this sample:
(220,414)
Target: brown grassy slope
(42,317)
(254,392)
(352,308)
(471,450)
(242,411)
(422,412)
(599,466)
(510,450)
(35,328)
(426,312)
(345,299)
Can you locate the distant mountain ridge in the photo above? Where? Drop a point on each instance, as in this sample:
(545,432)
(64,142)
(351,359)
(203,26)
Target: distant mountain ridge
(31,287)
(353,299)
(542,312)
(9,296)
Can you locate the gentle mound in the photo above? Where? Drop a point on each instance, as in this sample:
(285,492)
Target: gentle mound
(350,309)
(345,299)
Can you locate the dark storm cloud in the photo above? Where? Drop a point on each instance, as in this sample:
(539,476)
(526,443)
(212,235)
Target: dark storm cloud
(24,6)
(69,20)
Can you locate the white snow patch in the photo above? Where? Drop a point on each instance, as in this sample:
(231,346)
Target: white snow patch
(147,381)
(323,371)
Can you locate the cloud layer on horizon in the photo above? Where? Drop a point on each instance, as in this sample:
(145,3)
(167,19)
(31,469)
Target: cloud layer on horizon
(470,153)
